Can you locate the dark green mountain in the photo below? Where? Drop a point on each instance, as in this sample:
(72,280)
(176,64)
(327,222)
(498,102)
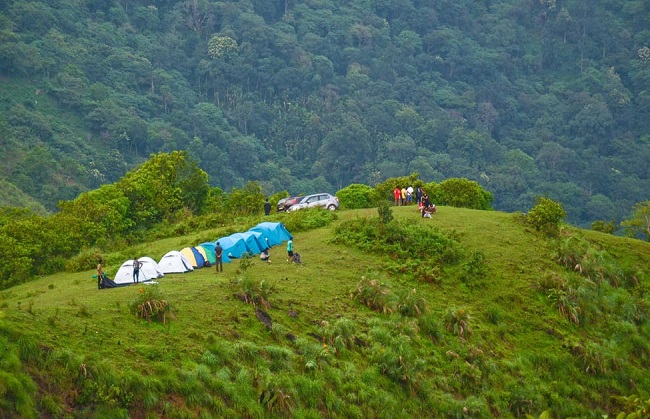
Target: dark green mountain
(527,97)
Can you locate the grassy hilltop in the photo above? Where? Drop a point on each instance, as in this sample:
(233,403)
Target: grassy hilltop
(510,323)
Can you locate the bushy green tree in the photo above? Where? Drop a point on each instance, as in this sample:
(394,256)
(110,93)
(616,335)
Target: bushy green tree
(639,221)
(546,216)
(355,196)
(464,193)
(384,191)
(246,201)
(164,184)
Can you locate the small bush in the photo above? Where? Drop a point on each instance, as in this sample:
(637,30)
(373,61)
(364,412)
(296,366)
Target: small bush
(608,227)
(385,214)
(463,193)
(374,295)
(84,261)
(308,219)
(410,304)
(252,292)
(457,322)
(475,269)
(546,216)
(355,196)
(151,305)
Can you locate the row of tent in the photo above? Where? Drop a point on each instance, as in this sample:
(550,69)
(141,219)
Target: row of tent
(251,242)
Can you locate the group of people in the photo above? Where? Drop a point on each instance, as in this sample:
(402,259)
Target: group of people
(404,196)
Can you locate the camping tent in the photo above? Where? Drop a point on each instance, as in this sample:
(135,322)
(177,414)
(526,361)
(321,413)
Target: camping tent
(233,247)
(276,233)
(211,255)
(252,245)
(106,282)
(175,262)
(194,256)
(203,253)
(148,272)
(260,238)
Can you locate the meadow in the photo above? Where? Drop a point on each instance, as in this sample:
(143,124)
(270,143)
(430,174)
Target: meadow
(468,314)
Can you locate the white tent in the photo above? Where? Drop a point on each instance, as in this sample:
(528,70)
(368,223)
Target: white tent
(148,272)
(174,262)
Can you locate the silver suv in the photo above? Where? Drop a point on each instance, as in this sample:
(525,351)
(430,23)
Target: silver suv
(323,200)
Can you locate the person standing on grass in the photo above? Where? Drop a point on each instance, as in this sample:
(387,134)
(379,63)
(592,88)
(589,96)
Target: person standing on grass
(267,207)
(218,250)
(136,270)
(397,194)
(289,250)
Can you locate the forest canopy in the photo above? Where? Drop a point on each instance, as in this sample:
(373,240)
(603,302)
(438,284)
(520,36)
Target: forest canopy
(527,98)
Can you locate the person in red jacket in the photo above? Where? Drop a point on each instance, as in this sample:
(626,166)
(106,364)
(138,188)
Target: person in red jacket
(397,194)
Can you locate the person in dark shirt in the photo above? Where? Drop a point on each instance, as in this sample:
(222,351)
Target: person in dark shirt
(267,207)
(218,250)
(136,270)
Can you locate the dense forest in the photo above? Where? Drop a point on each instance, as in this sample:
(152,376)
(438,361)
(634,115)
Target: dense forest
(525,97)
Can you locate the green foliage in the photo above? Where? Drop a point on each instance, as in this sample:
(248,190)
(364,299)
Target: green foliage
(163,185)
(457,321)
(634,407)
(374,295)
(252,291)
(639,222)
(355,196)
(608,227)
(546,216)
(411,304)
(385,214)
(404,245)
(463,193)
(151,305)
(384,191)
(86,260)
(475,269)
(308,219)
(246,201)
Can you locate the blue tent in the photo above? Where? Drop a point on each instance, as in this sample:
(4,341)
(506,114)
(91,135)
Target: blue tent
(252,245)
(276,233)
(210,246)
(233,247)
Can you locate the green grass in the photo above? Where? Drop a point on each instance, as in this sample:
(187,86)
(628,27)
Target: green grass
(327,354)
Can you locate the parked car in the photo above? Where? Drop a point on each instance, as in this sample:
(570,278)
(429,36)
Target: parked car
(323,200)
(286,203)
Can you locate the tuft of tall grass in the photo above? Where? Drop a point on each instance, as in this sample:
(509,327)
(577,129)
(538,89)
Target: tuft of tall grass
(375,295)
(457,321)
(151,305)
(309,390)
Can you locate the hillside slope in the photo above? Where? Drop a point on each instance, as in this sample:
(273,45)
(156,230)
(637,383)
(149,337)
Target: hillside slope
(79,350)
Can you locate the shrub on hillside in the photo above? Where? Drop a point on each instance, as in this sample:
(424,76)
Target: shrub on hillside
(463,193)
(546,216)
(151,305)
(308,218)
(355,196)
(384,191)
(603,226)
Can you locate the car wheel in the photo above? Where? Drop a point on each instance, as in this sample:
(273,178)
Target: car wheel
(332,207)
